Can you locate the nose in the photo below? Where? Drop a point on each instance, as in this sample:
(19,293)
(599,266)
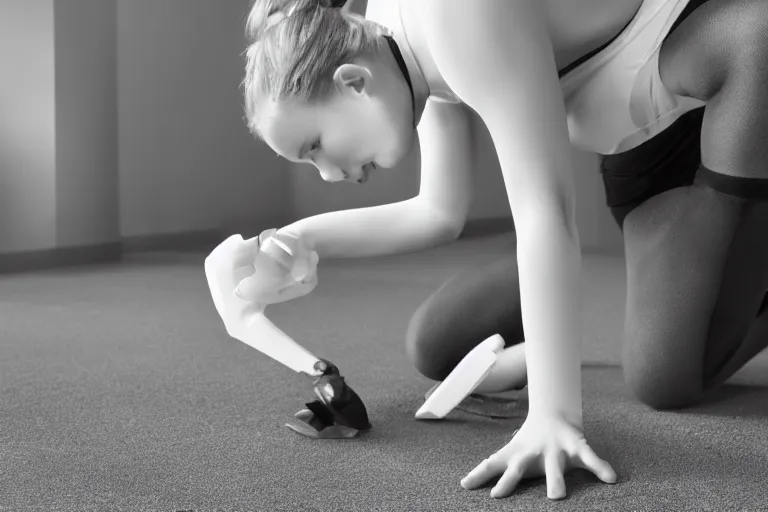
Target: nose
(332,174)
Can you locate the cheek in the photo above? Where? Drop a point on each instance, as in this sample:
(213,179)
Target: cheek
(349,145)
(390,129)
(381,131)
(400,137)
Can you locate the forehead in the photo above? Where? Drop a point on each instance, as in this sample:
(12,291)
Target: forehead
(284,126)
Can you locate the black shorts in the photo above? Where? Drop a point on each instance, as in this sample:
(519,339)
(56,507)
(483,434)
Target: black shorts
(671,159)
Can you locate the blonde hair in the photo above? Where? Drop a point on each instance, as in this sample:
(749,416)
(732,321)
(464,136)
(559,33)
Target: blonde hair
(296,45)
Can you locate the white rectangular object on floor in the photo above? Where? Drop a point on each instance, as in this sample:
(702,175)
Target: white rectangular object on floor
(467,375)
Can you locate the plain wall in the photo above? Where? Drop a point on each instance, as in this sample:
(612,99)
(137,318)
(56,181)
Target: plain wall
(122,119)
(27,126)
(86,173)
(186,159)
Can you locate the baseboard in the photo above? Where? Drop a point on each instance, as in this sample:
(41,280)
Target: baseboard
(195,241)
(249,229)
(190,241)
(488,226)
(59,257)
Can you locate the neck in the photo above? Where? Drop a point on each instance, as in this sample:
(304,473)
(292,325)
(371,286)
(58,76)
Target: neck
(417,85)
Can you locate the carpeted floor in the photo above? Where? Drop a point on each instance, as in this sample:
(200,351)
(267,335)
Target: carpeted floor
(120,391)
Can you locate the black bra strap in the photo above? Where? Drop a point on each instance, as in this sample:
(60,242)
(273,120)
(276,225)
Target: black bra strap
(401,63)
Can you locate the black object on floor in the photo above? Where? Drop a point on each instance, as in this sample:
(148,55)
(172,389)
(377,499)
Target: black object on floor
(338,414)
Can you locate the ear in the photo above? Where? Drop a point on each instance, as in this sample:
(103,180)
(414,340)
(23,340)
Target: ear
(352,79)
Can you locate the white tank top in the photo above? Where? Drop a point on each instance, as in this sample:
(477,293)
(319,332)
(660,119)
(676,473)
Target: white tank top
(615,100)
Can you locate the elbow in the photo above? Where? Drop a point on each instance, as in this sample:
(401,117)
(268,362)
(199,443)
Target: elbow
(447,230)
(449,235)
(444,227)
(442,232)
(452,229)
(449,226)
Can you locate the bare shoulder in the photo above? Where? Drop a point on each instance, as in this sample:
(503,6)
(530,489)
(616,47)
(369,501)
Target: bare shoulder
(453,7)
(461,12)
(497,57)
(573,27)
(480,46)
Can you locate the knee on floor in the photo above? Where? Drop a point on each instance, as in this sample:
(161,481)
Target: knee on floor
(659,380)
(422,345)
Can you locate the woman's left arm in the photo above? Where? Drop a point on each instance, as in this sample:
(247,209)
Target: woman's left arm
(496,55)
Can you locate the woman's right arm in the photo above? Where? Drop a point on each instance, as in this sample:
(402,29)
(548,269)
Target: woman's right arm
(433,217)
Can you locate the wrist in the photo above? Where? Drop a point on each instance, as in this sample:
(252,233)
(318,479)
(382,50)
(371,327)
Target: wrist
(570,412)
(299,231)
(556,390)
(561,396)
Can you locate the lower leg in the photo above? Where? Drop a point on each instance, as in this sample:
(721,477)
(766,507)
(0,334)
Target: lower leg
(464,312)
(733,135)
(738,327)
(508,373)
(755,342)
(691,314)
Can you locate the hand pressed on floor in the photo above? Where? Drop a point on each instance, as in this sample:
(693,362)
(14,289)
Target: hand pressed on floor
(546,445)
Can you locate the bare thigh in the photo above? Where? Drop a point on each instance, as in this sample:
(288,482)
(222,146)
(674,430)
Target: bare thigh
(719,54)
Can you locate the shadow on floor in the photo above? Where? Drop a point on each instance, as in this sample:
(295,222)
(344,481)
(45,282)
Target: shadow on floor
(744,401)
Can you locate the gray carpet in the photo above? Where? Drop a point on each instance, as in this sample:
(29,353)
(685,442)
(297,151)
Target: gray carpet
(120,390)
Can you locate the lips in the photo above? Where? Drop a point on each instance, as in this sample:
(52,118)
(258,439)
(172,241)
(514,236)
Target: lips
(367,171)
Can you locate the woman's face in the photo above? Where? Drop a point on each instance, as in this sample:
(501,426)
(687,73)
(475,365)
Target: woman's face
(365,124)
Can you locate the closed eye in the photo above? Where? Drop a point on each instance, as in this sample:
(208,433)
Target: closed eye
(311,150)
(308,149)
